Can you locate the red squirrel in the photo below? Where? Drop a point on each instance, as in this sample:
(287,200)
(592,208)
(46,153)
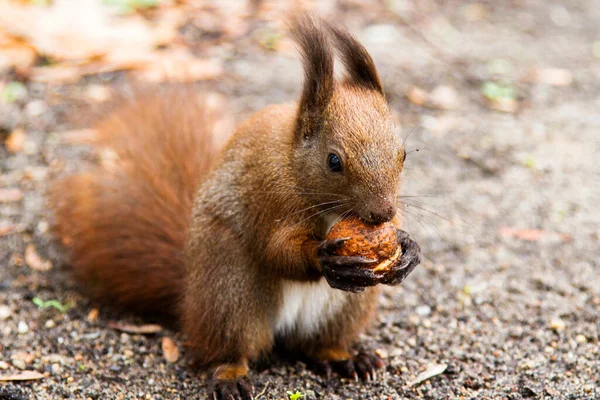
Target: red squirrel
(231,243)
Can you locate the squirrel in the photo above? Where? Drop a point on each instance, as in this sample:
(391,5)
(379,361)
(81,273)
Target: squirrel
(231,243)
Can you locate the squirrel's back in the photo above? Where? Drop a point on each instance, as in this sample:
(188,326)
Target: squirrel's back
(125,222)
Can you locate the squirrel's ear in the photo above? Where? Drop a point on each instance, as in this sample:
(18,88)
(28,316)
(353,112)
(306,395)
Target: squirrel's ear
(359,64)
(317,59)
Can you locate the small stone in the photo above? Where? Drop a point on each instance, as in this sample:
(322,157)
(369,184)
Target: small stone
(414,320)
(22,327)
(3,365)
(423,311)
(580,339)
(128,354)
(557,324)
(50,324)
(588,388)
(19,363)
(417,96)
(412,342)
(5,312)
(382,353)
(70,379)
(55,368)
(444,97)
(36,108)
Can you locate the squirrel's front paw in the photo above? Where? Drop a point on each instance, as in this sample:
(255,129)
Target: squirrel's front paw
(349,273)
(411,257)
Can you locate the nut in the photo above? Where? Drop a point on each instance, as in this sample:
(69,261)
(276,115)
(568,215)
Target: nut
(375,242)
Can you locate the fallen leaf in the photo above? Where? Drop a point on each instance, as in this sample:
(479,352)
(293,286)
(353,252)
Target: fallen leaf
(15,141)
(429,373)
(179,66)
(23,376)
(56,74)
(93,315)
(78,30)
(170,350)
(21,355)
(10,195)
(34,261)
(147,329)
(16,54)
(550,76)
(533,235)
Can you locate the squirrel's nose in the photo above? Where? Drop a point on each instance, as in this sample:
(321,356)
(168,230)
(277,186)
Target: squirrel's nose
(380,215)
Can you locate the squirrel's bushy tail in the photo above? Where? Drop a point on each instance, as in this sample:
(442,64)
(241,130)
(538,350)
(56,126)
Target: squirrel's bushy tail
(125,222)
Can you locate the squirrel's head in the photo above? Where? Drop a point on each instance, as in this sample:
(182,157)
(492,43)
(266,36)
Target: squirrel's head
(348,154)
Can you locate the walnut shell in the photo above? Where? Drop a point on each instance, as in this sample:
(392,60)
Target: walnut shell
(377,242)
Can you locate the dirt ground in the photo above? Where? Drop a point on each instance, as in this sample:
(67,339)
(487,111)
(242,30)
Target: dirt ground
(505,208)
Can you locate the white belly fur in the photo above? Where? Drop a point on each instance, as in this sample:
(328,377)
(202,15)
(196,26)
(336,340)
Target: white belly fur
(306,307)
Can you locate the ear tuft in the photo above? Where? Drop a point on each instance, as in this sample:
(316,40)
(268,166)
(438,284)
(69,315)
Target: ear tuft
(317,59)
(357,60)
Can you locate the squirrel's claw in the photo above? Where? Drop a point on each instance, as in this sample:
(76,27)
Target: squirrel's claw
(235,389)
(411,257)
(346,274)
(328,247)
(362,366)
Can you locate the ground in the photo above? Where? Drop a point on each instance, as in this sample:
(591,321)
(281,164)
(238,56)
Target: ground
(505,208)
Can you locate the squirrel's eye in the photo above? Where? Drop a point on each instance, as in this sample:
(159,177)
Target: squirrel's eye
(334,163)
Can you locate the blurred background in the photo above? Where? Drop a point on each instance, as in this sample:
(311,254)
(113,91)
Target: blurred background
(500,105)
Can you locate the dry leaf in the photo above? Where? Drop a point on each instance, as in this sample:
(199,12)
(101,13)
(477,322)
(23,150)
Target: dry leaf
(147,329)
(93,315)
(170,350)
(533,235)
(429,373)
(15,141)
(34,261)
(23,376)
(27,357)
(179,66)
(550,76)
(10,195)
(16,54)
(56,74)
(79,30)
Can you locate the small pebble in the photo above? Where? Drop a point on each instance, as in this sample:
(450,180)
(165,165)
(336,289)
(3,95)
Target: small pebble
(557,324)
(5,312)
(580,339)
(22,327)
(3,365)
(19,363)
(50,324)
(55,368)
(423,311)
